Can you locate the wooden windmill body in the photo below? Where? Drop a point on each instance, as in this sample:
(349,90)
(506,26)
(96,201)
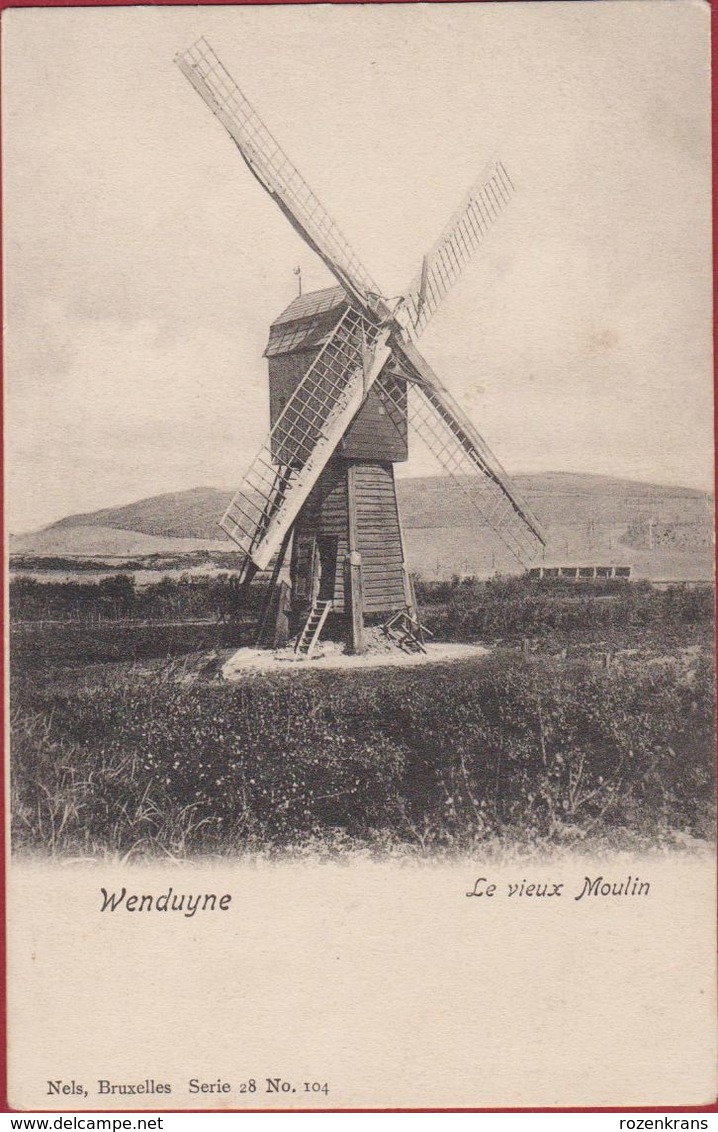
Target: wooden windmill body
(352,509)
(341,363)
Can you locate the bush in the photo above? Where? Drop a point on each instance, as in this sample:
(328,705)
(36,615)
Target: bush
(514,608)
(56,647)
(117,597)
(443,756)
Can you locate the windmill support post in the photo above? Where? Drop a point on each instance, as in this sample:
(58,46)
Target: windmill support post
(281,622)
(353,602)
(411,603)
(353,597)
(273,593)
(409,595)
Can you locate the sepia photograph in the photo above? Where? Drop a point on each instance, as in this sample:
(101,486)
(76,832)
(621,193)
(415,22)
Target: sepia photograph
(359,512)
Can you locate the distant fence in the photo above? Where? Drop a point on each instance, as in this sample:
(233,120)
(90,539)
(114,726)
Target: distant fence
(580,573)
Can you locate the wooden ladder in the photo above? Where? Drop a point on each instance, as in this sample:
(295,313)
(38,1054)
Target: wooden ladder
(406,632)
(313,626)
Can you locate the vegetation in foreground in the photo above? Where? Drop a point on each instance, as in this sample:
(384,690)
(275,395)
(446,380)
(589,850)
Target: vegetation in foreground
(115,759)
(124,743)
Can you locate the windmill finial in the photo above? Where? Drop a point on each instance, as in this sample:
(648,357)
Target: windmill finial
(298,273)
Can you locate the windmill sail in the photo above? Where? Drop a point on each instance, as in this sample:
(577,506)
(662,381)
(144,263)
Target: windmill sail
(465,456)
(273,169)
(442,266)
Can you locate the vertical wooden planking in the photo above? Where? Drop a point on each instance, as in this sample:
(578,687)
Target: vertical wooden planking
(356,503)
(379,537)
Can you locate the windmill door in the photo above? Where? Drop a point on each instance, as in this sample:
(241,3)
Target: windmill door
(305,571)
(328,548)
(314,569)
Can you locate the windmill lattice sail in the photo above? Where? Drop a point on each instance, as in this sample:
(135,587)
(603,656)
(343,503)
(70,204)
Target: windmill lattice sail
(272,167)
(445,262)
(305,435)
(469,462)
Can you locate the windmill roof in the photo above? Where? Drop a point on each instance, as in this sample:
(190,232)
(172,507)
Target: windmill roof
(305,323)
(295,336)
(313,303)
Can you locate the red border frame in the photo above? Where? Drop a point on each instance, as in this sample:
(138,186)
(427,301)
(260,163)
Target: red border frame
(4,1105)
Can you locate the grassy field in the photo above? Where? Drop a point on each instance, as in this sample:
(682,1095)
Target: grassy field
(599,733)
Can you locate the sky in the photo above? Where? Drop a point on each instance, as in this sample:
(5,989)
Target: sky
(144,264)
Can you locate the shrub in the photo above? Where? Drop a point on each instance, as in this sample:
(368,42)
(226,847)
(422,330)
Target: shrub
(513,607)
(442,756)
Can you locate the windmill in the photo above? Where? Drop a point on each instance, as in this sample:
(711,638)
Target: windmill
(344,372)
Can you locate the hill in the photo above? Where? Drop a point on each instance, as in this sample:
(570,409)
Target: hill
(90,540)
(179,514)
(663,531)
